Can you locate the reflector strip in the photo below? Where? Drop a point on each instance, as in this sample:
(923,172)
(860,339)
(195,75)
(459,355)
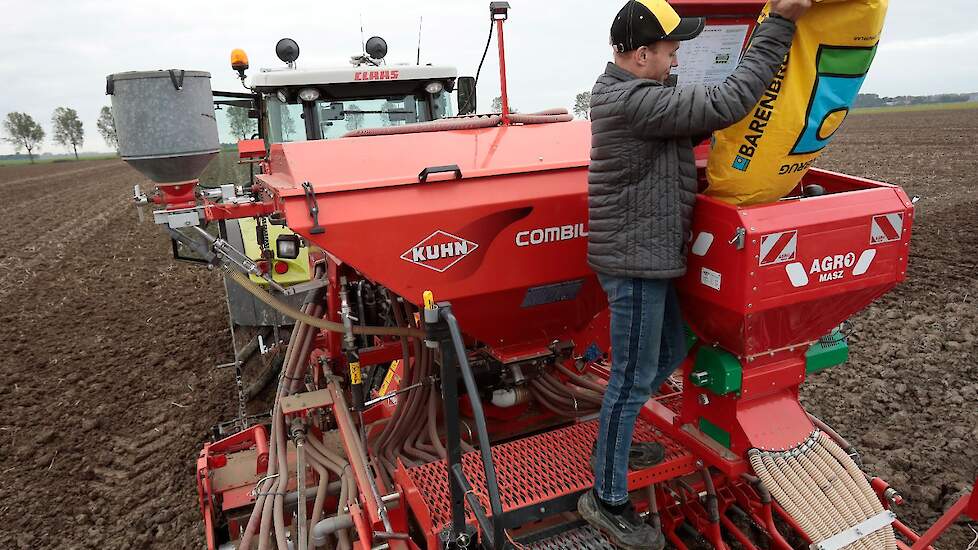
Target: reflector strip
(886,228)
(797,274)
(702,244)
(778,248)
(865,260)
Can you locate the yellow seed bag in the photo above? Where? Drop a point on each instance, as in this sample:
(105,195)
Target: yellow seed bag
(764,156)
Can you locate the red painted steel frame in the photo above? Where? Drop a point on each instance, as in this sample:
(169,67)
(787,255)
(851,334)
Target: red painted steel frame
(502,71)
(213,456)
(967,505)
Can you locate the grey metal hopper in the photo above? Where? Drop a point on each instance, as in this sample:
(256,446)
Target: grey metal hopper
(165,122)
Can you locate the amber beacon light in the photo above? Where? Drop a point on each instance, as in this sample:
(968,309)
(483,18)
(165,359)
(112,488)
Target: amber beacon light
(239,61)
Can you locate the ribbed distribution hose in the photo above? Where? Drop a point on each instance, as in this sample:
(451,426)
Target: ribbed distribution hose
(561,405)
(317,507)
(820,486)
(870,499)
(285,309)
(539,119)
(466,123)
(297,377)
(338,465)
(445,124)
(433,423)
(582,381)
(268,515)
(278,504)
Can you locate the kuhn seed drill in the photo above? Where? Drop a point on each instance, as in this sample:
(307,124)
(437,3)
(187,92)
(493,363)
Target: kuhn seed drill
(441,381)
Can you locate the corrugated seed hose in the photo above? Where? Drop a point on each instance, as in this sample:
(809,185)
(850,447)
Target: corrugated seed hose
(821,487)
(286,309)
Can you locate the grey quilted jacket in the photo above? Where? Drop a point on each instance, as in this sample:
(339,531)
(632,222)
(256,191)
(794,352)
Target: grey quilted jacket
(642,178)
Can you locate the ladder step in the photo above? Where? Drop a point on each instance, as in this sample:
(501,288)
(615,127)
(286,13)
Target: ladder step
(576,536)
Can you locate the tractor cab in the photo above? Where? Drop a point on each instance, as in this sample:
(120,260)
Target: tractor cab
(328,103)
(293,104)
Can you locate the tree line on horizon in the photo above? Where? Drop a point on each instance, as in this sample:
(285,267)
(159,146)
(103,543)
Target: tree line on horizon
(24,133)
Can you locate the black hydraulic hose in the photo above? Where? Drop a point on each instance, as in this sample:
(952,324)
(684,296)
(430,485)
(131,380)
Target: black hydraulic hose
(465,108)
(480,423)
(265,378)
(287,309)
(251,347)
(712,504)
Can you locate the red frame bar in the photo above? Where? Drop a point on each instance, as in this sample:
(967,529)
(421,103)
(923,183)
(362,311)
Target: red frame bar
(215,212)
(502,71)
(966,505)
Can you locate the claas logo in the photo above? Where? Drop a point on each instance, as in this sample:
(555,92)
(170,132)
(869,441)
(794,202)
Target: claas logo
(377,75)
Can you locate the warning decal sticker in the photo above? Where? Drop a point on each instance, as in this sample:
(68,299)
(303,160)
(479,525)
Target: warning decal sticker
(778,248)
(886,228)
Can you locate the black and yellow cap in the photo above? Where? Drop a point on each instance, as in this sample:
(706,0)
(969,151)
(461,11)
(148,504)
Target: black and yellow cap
(642,22)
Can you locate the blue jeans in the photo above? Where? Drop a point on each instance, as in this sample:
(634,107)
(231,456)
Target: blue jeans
(647,345)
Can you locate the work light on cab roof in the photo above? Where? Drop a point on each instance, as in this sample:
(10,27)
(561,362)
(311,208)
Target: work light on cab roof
(287,50)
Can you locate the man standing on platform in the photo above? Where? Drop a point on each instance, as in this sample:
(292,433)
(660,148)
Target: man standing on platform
(642,186)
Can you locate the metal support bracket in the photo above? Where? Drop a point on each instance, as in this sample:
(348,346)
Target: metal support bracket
(305,287)
(179,218)
(851,535)
(313,206)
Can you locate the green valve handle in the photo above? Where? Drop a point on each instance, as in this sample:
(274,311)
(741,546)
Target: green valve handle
(700,378)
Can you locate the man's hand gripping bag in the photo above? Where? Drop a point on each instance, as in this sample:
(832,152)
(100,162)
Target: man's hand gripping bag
(764,156)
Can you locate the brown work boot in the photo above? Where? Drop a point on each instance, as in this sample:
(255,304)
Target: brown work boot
(625,530)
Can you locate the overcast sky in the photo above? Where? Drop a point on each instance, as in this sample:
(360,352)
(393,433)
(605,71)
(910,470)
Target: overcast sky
(57,53)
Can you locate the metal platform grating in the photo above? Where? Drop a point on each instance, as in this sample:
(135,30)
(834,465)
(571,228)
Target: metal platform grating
(541,468)
(584,537)
(673,402)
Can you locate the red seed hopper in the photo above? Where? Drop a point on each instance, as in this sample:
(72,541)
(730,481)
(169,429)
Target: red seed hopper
(769,282)
(775,276)
(492,220)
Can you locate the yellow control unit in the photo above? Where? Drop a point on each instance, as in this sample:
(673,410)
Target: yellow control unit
(284,271)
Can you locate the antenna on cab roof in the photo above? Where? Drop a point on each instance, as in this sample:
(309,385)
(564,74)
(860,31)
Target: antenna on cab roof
(420,21)
(363,48)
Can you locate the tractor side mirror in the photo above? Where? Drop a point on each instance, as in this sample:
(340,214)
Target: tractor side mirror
(467,102)
(333,112)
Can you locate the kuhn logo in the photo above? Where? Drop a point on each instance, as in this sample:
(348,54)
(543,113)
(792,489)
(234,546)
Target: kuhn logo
(439,251)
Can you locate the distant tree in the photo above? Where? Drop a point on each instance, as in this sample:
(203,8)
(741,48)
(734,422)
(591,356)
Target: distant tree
(242,126)
(354,118)
(288,125)
(106,127)
(68,128)
(23,133)
(868,100)
(385,113)
(582,105)
(497,105)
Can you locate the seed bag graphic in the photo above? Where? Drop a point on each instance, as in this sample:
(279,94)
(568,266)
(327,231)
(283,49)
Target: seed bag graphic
(764,156)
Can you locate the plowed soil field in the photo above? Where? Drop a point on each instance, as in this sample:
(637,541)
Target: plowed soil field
(108,348)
